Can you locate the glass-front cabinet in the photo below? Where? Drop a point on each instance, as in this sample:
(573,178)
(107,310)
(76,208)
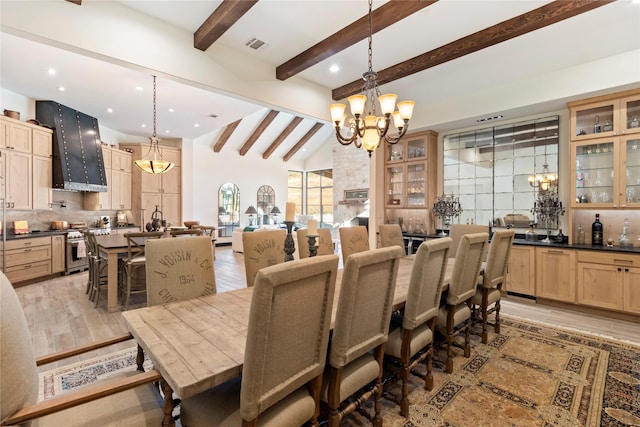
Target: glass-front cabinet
(607,172)
(607,117)
(407,183)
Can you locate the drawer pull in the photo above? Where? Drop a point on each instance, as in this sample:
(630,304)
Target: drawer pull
(556,252)
(27,243)
(27,266)
(625,261)
(28,250)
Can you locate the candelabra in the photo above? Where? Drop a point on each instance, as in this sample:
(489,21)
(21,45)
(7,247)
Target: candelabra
(446,208)
(547,208)
(313,247)
(289,245)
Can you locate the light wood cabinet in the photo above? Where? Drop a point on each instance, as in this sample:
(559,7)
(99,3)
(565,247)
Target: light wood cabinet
(117,164)
(42,182)
(163,190)
(616,113)
(27,258)
(17,174)
(607,173)
(57,254)
(521,270)
(556,274)
(609,280)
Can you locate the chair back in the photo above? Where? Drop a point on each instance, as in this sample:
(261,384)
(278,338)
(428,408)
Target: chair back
(187,233)
(18,372)
(353,240)
(458,230)
(425,284)
(324,242)
(466,267)
(90,242)
(391,235)
(495,269)
(288,332)
(136,242)
(262,249)
(365,304)
(179,269)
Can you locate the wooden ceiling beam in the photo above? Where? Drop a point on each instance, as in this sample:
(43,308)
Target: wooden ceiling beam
(302,141)
(226,134)
(382,17)
(259,131)
(283,135)
(541,17)
(220,21)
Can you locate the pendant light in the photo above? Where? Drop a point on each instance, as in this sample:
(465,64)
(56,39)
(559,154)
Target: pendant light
(158,165)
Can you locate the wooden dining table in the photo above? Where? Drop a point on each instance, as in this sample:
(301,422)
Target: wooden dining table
(199,343)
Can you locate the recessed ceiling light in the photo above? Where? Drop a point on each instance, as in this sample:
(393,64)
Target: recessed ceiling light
(166,131)
(144,126)
(51,71)
(109,110)
(196,125)
(334,68)
(171,110)
(139,88)
(61,88)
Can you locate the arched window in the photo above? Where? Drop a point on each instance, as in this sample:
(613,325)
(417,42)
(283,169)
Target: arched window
(228,209)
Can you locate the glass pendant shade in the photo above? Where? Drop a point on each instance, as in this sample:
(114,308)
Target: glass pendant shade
(387,103)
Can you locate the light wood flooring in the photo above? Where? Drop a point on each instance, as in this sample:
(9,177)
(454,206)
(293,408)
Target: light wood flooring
(60,315)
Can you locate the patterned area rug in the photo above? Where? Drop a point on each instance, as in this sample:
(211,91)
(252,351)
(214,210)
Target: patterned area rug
(528,375)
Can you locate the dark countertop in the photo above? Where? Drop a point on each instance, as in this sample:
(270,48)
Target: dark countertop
(519,240)
(33,233)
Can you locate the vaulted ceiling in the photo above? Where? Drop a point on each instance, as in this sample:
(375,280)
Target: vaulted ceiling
(429,51)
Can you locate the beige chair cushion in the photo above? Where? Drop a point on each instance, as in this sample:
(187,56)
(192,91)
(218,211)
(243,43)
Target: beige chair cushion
(458,230)
(286,347)
(353,240)
(391,235)
(262,249)
(179,269)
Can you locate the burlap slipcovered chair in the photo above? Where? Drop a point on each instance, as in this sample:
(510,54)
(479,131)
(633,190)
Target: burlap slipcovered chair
(134,261)
(285,351)
(458,230)
(137,403)
(360,331)
(391,235)
(179,269)
(324,242)
(454,315)
(353,240)
(262,249)
(489,290)
(411,342)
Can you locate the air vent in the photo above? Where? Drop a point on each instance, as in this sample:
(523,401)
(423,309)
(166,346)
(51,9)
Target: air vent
(255,43)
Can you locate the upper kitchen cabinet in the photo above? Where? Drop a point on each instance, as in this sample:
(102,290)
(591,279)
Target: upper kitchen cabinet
(605,116)
(410,171)
(607,172)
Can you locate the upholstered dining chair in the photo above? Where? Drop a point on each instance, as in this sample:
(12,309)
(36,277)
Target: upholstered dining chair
(187,233)
(134,261)
(411,341)
(125,400)
(456,231)
(391,235)
(353,240)
(262,249)
(285,353)
(360,332)
(179,269)
(454,315)
(489,290)
(97,267)
(324,242)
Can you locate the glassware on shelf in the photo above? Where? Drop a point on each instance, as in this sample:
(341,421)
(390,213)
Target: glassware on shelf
(625,240)
(634,122)
(609,237)
(531,235)
(581,235)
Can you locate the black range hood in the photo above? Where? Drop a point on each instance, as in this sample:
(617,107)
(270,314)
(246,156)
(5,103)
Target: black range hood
(77,149)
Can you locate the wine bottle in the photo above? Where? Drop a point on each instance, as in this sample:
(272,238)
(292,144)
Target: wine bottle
(596,232)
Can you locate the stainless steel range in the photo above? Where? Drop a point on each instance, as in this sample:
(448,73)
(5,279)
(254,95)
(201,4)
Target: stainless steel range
(76,257)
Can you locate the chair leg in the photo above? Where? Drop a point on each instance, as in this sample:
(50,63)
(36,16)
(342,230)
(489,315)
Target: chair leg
(496,325)
(428,378)
(485,318)
(404,401)
(377,419)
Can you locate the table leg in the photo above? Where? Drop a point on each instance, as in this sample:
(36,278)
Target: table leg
(168,405)
(112,282)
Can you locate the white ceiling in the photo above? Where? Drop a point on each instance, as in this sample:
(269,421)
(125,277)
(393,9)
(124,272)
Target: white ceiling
(289,27)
